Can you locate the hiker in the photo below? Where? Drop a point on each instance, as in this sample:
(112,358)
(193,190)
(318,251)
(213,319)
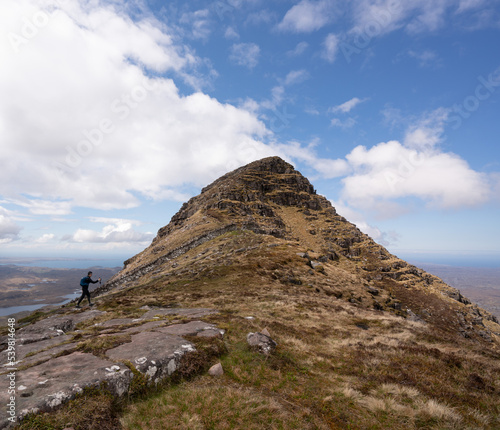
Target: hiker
(85,282)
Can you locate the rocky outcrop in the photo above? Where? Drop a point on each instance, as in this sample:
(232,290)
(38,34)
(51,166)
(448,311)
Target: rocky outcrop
(53,364)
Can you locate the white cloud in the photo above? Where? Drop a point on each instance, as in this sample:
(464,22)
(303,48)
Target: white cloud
(85,122)
(331,47)
(390,171)
(378,17)
(347,106)
(426,58)
(44,207)
(347,123)
(357,218)
(296,77)
(298,50)
(197,23)
(308,16)
(245,54)
(415,168)
(9,230)
(263,16)
(231,33)
(45,238)
(118,231)
(427,131)
(327,168)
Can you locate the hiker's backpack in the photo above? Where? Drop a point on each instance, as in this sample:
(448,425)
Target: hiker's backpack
(83,281)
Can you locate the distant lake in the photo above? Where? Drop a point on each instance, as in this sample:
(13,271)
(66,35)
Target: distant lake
(16,309)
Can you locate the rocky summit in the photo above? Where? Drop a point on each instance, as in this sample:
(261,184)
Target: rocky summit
(305,321)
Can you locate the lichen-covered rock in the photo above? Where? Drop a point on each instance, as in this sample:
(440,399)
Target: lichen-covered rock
(261,342)
(50,384)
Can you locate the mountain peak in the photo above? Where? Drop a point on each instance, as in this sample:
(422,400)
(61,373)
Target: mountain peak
(250,195)
(272,204)
(263,180)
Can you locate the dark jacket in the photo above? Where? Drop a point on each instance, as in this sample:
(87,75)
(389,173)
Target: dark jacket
(86,281)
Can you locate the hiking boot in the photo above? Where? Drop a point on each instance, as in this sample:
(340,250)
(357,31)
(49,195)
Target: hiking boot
(91,304)
(78,307)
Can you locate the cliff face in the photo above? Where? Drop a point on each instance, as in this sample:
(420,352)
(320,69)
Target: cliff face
(273,201)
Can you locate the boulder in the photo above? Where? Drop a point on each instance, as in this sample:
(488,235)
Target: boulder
(264,344)
(216,370)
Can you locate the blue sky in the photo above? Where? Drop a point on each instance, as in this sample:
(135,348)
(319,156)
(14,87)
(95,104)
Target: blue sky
(112,113)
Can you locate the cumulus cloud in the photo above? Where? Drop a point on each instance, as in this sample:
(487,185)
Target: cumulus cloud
(308,16)
(245,54)
(45,238)
(390,171)
(116,231)
(87,117)
(9,230)
(416,168)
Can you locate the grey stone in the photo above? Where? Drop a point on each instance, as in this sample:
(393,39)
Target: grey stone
(188,313)
(117,322)
(48,385)
(157,355)
(192,328)
(45,329)
(316,265)
(215,332)
(216,370)
(53,326)
(34,347)
(144,327)
(261,342)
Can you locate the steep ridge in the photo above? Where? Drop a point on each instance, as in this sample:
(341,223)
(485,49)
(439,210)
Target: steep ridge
(273,200)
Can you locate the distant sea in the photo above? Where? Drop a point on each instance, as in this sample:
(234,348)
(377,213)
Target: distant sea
(64,263)
(458,260)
